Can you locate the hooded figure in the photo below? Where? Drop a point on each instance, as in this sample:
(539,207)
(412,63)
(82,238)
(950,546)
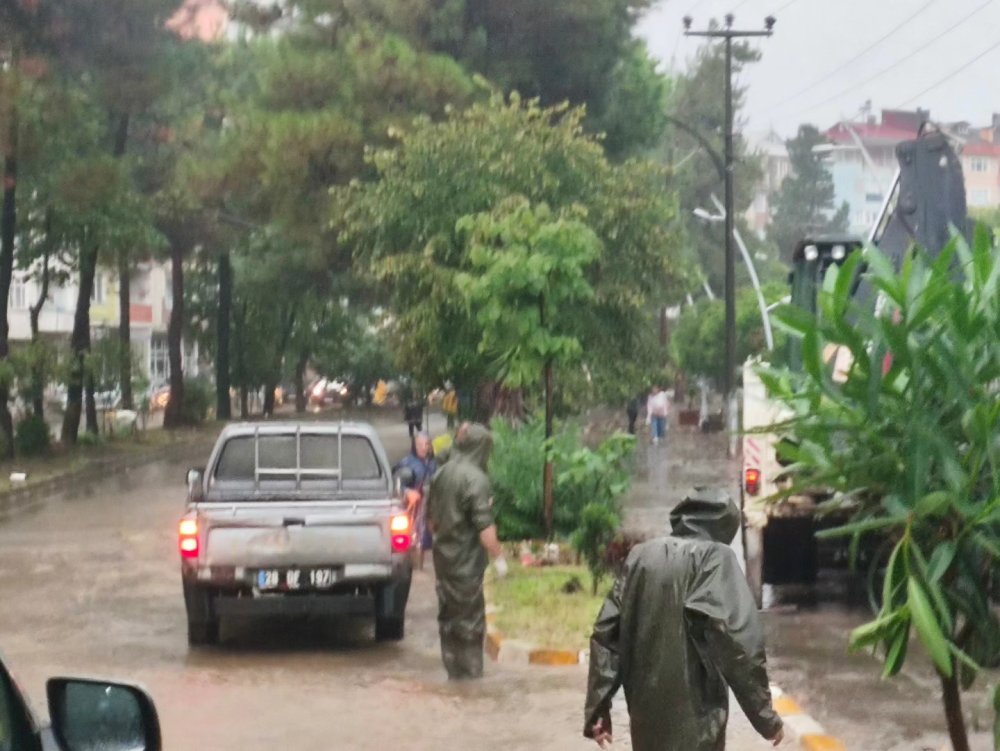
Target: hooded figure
(679,625)
(461,517)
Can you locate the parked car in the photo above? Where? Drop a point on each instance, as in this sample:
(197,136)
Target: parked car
(294,518)
(85,714)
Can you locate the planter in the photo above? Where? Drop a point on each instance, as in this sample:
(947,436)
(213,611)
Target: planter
(714,423)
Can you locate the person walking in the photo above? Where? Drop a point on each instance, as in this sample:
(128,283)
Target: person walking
(413,414)
(449,405)
(416,469)
(657,412)
(632,412)
(678,630)
(461,517)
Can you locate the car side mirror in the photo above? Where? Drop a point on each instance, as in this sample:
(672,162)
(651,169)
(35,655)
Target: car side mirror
(88,714)
(195,484)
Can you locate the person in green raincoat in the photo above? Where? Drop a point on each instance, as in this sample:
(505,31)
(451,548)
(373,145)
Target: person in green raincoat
(679,626)
(461,516)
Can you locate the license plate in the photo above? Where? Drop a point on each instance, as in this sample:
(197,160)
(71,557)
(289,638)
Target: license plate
(292,579)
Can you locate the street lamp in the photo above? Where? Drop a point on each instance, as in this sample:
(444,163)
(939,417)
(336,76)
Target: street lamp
(751,269)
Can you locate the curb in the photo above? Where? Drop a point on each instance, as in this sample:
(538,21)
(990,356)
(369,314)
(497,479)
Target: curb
(19,500)
(515,652)
(802,727)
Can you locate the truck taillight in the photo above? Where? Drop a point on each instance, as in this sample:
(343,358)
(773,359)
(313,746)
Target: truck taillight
(399,526)
(752,481)
(188,538)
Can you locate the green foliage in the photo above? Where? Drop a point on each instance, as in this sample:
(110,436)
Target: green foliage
(805,203)
(404,228)
(199,396)
(598,525)
(907,437)
(582,476)
(32,437)
(528,274)
(698,340)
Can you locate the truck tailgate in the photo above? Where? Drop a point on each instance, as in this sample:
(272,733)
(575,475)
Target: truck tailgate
(297,536)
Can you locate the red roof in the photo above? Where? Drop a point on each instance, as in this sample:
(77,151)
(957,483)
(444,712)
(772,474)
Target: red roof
(869,133)
(981,148)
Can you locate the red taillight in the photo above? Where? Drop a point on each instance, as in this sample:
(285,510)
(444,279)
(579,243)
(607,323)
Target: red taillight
(752,481)
(399,528)
(188,543)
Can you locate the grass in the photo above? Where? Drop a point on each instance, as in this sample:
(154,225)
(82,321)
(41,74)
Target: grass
(531,606)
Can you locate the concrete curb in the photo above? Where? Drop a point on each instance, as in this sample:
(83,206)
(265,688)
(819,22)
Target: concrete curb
(19,500)
(516,652)
(801,727)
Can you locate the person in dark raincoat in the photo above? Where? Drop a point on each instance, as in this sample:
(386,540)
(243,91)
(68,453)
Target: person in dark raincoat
(679,625)
(461,516)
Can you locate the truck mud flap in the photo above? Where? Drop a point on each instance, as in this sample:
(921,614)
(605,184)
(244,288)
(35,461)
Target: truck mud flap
(790,553)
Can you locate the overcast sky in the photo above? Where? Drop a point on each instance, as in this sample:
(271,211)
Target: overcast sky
(818,52)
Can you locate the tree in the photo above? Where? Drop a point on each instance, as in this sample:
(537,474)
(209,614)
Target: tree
(403,230)
(697,341)
(805,202)
(905,436)
(527,283)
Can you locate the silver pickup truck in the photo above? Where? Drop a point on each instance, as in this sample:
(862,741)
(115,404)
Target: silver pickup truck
(294,518)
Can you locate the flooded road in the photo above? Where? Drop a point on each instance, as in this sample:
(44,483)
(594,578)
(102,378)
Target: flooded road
(90,585)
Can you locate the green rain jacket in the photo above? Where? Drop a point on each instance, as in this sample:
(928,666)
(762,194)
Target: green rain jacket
(459,505)
(679,625)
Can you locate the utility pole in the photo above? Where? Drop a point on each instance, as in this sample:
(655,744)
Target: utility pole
(727,34)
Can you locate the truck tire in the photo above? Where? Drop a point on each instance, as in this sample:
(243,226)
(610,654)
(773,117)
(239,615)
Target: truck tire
(203,623)
(203,633)
(389,628)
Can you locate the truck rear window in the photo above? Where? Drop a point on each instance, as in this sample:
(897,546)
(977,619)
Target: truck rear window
(287,457)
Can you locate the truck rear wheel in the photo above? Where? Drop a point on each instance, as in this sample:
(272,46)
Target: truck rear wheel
(203,623)
(203,633)
(389,628)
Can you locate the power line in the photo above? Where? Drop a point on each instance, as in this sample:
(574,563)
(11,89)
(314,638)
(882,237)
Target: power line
(788,4)
(951,75)
(865,51)
(919,49)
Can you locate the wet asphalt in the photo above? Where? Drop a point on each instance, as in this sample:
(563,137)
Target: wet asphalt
(90,585)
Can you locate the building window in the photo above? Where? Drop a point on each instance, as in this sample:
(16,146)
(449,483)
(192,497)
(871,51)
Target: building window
(873,197)
(159,360)
(980,197)
(978,164)
(18,295)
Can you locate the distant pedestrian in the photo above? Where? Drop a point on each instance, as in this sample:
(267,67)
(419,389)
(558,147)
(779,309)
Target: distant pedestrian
(413,414)
(449,405)
(460,509)
(657,412)
(678,631)
(632,411)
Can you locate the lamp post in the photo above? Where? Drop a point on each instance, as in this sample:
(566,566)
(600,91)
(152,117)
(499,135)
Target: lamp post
(727,34)
(751,269)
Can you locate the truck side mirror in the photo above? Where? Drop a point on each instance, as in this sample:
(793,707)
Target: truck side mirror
(195,484)
(88,714)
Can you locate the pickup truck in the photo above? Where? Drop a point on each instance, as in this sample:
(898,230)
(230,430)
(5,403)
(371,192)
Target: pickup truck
(294,519)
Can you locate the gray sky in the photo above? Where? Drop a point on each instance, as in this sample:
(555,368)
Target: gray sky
(816,46)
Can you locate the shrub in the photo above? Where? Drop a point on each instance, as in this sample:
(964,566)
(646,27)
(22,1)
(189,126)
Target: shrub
(582,476)
(598,525)
(86,438)
(198,397)
(31,437)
